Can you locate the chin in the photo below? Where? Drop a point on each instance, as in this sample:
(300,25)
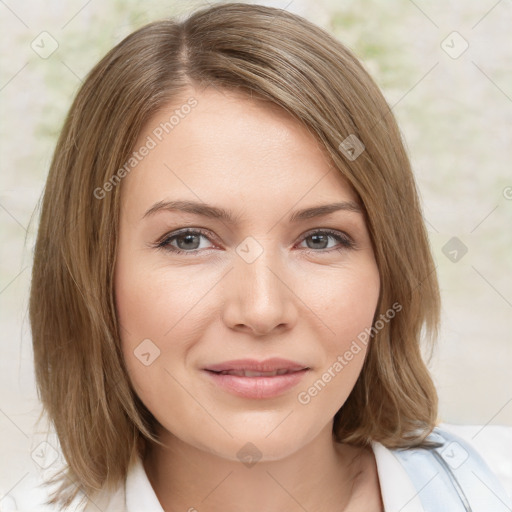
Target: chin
(254,445)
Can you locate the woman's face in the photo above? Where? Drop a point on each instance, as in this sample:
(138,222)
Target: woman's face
(275,280)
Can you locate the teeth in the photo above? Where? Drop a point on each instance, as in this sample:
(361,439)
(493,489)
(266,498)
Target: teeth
(249,373)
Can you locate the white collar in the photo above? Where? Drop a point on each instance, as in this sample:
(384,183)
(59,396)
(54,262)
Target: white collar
(398,492)
(397,489)
(140,496)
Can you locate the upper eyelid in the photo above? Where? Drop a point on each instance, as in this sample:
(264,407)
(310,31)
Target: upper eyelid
(185,231)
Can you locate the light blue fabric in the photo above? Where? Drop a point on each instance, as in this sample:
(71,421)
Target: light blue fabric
(453,477)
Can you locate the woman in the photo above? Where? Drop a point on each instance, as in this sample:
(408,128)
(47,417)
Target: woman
(274,363)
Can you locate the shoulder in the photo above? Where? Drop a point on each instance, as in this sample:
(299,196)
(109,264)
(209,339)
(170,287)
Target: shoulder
(456,471)
(493,443)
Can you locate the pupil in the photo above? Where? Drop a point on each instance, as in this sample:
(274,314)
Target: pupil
(189,238)
(317,237)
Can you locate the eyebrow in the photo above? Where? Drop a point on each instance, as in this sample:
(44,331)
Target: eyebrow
(227,216)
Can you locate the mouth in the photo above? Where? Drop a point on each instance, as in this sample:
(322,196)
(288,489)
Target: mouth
(253,368)
(251,373)
(256,380)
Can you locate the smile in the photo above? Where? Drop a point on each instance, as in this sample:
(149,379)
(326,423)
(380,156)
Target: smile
(256,385)
(250,373)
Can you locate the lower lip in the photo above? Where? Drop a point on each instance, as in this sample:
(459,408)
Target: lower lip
(257,387)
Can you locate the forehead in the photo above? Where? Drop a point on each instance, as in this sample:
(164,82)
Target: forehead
(229,147)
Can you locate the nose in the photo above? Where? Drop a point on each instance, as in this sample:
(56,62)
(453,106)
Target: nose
(260,296)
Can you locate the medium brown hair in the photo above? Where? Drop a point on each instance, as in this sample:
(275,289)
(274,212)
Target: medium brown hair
(265,53)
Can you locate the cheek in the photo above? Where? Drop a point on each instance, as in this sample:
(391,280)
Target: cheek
(160,314)
(353,309)
(143,307)
(145,312)
(155,303)
(346,303)
(347,306)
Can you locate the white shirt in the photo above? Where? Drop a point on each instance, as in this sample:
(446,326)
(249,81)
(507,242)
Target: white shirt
(398,492)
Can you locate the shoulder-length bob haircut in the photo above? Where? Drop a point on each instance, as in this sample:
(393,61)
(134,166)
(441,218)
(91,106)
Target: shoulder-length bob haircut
(280,58)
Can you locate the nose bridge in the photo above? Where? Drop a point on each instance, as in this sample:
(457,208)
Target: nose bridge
(255,260)
(262,300)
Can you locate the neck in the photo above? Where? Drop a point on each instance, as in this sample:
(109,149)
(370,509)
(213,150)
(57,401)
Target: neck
(322,475)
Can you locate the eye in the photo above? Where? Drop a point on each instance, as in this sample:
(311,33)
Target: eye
(320,241)
(187,241)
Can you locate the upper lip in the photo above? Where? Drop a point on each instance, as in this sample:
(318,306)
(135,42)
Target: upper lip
(268,365)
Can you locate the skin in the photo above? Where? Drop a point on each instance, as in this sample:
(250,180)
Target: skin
(303,298)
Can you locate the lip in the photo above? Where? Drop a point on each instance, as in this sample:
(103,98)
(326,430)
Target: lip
(257,387)
(268,365)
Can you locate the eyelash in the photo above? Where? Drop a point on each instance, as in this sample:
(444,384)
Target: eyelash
(165,242)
